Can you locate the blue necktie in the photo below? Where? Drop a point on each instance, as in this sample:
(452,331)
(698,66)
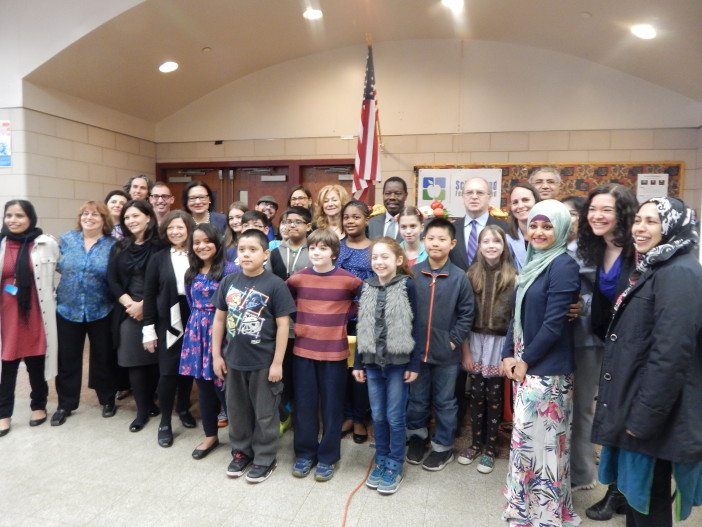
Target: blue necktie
(472,244)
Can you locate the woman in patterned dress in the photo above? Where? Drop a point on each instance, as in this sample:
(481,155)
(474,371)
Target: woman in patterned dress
(538,357)
(206,256)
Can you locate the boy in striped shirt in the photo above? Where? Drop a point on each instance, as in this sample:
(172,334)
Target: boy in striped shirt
(324,295)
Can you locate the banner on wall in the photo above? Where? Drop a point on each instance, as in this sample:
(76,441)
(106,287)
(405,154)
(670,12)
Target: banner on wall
(446,185)
(5,144)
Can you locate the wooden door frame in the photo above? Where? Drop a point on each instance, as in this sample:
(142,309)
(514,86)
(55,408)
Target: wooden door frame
(294,167)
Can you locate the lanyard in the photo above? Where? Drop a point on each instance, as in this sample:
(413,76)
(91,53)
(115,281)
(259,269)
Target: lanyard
(290,269)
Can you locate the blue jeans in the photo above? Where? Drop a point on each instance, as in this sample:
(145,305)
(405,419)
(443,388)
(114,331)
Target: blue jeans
(318,384)
(388,393)
(436,384)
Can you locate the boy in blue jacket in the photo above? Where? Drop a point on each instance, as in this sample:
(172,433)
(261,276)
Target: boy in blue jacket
(445,315)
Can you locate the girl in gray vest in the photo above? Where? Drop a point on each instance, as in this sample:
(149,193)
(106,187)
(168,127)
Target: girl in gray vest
(387,356)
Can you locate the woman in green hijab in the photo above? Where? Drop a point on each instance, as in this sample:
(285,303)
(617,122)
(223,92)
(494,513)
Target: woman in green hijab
(538,357)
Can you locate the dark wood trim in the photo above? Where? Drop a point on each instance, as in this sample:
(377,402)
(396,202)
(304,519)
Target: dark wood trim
(294,165)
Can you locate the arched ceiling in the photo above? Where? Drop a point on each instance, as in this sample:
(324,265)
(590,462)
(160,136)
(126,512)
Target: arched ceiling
(116,64)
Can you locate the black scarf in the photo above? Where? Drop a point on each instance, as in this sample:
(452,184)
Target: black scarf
(679,236)
(24,276)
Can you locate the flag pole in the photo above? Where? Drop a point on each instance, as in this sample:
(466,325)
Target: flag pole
(369,43)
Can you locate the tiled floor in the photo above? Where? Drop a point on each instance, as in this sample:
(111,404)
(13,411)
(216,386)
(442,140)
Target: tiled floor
(93,471)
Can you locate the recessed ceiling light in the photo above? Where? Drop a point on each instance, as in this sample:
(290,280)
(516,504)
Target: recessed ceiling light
(312,14)
(644,31)
(168,67)
(454,5)
(206,49)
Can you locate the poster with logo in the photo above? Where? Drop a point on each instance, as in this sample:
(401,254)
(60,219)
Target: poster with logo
(446,185)
(5,144)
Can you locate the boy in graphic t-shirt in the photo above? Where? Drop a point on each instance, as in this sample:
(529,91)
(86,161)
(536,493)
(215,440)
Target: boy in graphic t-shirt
(253,307)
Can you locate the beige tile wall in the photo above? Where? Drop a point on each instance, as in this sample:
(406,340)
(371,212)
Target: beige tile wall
(58,164)
(402,153)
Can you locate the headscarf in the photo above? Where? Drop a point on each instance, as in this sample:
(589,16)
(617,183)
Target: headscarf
(538,260)
(679,230)
(679,236)
(24,276)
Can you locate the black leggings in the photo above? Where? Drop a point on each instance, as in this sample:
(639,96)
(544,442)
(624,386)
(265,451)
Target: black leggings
(144,380)
(660,513)
(486,411)
(209,406)
(8,382)
(167,387)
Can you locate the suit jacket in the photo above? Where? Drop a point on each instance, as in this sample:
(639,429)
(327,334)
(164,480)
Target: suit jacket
(376,228)
(161,300)
(458,254)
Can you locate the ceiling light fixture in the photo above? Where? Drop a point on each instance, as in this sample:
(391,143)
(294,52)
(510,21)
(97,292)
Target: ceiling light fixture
(456,6)
(312,14)
(168,67)
(644,31)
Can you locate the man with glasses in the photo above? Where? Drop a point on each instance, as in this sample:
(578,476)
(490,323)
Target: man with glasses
(161,200)
(269,206)
(394,197)
(476,200)
(547,180)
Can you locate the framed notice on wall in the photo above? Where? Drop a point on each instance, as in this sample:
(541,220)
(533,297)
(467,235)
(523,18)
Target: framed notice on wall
(446,185)
(578,179)
(5,144)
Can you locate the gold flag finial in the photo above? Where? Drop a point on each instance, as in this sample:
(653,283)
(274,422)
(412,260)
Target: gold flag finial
(369,39)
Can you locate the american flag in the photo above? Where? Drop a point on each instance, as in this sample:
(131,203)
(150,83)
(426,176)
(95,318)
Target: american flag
(366,171)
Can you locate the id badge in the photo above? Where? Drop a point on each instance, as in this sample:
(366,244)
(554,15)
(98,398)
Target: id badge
(11,289)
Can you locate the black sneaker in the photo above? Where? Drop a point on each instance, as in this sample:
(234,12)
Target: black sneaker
(436,461)
(416,449)
(260,473)
(239,464)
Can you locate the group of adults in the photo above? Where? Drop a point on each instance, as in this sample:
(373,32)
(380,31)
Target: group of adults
(635,344)
(634,350)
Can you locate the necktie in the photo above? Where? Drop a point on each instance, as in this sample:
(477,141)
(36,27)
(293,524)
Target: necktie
(472,243)
(391,231)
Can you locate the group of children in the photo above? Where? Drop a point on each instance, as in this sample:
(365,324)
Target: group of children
(412,326)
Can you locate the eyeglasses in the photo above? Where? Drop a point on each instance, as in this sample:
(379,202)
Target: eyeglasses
(297,223)
(193,199)
(393,194)
(164,197)
(88,214)
(479,193)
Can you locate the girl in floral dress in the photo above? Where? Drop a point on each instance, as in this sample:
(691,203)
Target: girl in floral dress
(206,256)
(538,357)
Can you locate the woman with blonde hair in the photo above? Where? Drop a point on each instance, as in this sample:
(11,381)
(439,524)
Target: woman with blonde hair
(327,210)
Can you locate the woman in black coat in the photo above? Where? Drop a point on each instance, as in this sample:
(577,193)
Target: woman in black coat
(166,312)
(650,392)
(126,271)
(604,242)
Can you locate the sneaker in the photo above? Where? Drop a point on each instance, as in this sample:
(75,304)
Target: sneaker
(260,473)
(390,482)
(375,476)
(302,467)
(285,425)
(415,450)
(468,455)
(486,463)
(237,467)
(324,472)
(436,461)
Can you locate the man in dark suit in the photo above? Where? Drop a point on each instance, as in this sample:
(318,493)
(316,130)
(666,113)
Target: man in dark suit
(394,197)
(476,200)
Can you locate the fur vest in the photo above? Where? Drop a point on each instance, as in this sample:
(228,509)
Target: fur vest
(396,317)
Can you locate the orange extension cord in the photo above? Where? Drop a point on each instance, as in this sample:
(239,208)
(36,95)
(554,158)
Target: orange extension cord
(360,484)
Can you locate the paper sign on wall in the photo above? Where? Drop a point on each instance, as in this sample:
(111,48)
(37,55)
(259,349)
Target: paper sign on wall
(5,144)
(651,186)
(446,185)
